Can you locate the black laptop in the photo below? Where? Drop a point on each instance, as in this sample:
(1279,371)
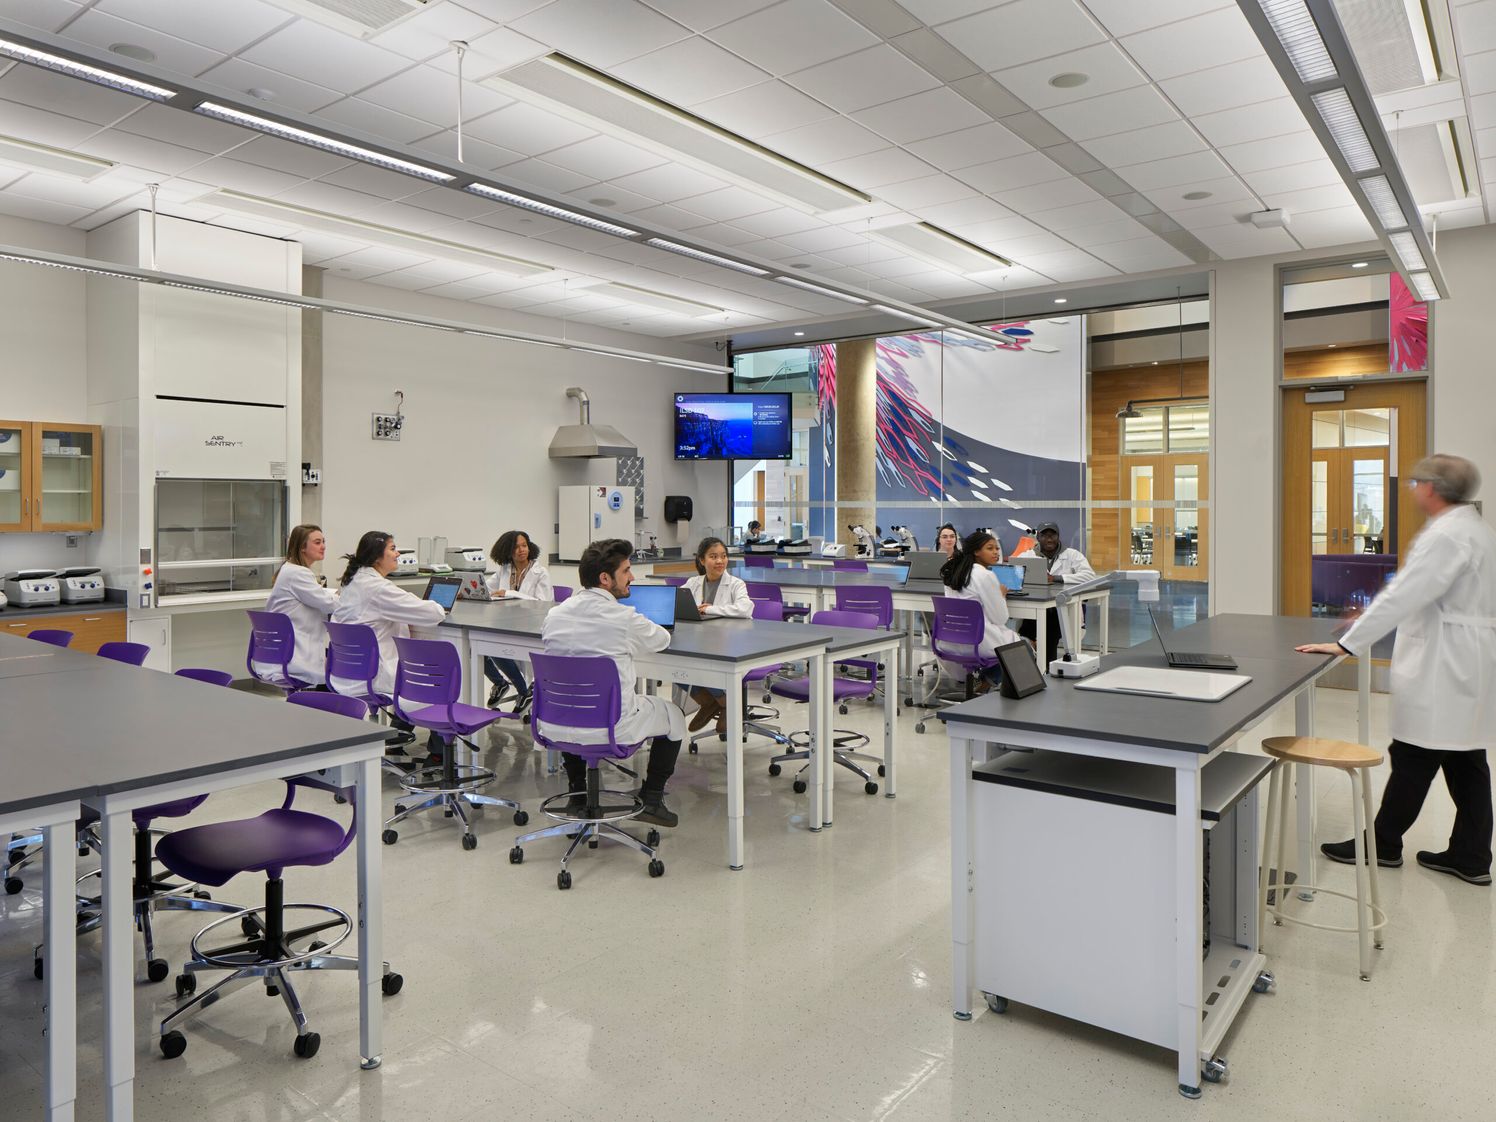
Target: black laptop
(686,608)
(443,590)
(1190,660)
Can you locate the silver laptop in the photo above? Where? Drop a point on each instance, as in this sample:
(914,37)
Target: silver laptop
(1035,571)
(925,564)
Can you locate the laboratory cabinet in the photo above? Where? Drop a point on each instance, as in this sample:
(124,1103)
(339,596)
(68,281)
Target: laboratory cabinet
(51,477)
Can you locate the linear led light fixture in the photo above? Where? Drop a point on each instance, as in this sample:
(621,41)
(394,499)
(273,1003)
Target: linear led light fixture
(703,255)
(1408,253)
(899,313)
(284,301)
(60,64)
(317,140)
(821,290)
(551,210)
(79,266)
(1423,284)
(1379,193)
(1295,28)
(1345,126)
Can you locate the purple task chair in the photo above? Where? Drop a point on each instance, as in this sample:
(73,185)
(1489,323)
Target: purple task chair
(272,645)
(675,582)
(583,693)
(844,742)
(760,590)
(956,633)
(848,565)
(265,947)
(54,636)
(352,667)
(755,716)
(428,683)
(758,560)
(560,593)
(131,654)
(210,677)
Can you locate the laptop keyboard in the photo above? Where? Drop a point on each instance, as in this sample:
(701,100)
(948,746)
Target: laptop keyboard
(1195,659)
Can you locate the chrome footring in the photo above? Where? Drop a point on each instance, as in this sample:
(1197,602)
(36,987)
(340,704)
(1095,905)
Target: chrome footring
(240,960)
(841,740)
(433,780)
(636,804)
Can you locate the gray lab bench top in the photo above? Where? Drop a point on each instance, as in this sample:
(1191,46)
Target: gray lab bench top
(32,611)
(815,578)
(1185,726)
(21,657)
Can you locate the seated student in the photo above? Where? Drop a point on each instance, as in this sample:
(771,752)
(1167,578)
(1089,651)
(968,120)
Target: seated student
(968,574)
(368,596)
(755,533)
(717,593)
(593,622)
(947,540)
(1066,566)
(297,593)
(522,577)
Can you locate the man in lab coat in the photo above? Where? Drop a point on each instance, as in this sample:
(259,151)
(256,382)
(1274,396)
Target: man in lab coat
(594,622)
(1066,566)
(1443,605)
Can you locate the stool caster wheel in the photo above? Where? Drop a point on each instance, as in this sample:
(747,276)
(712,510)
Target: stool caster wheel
(799,786)
(199,894)
(774,769)
(652,838)
(12,885)
(249,925)
(882,770)
(38,969)
(186,985)
(1215,1069)
(173,1044)
(1264,982)
(389,837)
(157,969)
(870,787)
(306,1046)
(995,1003)
(399,809)
(563,880)
(315,945)
(516,856)
(692,749)
(521,817)
(842,709)
(339,799)
(469,841)
(920,728)
(657,868)
(391,984)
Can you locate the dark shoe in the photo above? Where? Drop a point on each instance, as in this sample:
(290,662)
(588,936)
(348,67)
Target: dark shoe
(496,694)
(522,703)
(708,708)
(1345,853)
(576,806)
(655,812)
(1439,862)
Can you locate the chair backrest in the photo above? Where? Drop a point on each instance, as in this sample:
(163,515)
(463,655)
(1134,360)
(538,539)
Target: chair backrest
(272,642)
(352,656)
(872,599)
(132,654)
(576,692)
(758,560)
(561,592)
(848,565)
(769,609)
(55,636)
(330,703)
(842,618)
(675,582)
(759,592)
(429,673)
(958,629)
(203,674)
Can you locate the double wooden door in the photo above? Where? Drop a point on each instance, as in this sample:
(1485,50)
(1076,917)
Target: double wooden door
(1168,530)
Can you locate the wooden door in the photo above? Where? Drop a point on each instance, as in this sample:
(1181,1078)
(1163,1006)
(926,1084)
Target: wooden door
(15,476)
(1172,534)
(67,466)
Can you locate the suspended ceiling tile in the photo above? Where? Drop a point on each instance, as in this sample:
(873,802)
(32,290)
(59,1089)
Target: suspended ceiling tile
(1277,152)
(427,93)
(1123,17)
(489,54)
(84,101)
(603,157)
(1177,169)
(1061,192)
(609,196)
(877,169)
(668,182)
(764,109)
(601,33)
(968,147)
(933,12)
(1140,255)
(964,212)
(1111,113)
(546,176)
(689,71)
(294,159)
(1068,266)
(825,142)
(477,154)
(329,198)
(48,15)
(1200,43)
(1334,226)
(1215,214)
(1020,31)
(1260,121)
(1064,219)
(99,29)
(1227,189)
(1104,232)
(923,115)
(929,190)
(293,93)
(29,123)
(866,78)
(377,121)
(430,32)
(41,210)
(777,222)
(790,36)
(1242,239)
(726,204)
(1011,173)
(703,15)
(1106,68)
(1156,142)
(527,128)
(143,152)
(1477,27)
(185,129)
(376,181)
(339,61)
(1225,87)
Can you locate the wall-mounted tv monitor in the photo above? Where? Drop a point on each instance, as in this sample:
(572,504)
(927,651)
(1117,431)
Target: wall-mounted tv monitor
(732,426)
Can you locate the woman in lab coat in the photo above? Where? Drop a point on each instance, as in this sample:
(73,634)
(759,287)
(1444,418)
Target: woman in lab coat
(1442,603)
(716,592)
(968,574)
(297,593)
(369,596)
(520,576)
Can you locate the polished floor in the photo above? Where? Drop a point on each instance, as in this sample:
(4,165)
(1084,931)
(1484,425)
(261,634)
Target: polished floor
(812,985)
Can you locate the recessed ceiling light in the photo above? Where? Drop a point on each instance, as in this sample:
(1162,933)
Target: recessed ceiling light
(798,334)
(130,50)
(1155,362)
(1359,264)
(603,202)
(261,93)
(800,265)
(1330,345)
(1193,195)
(1061,300)
(1069,80)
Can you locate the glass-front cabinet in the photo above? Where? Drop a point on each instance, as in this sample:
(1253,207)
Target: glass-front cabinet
(51,477)
(15,475)
(217,537)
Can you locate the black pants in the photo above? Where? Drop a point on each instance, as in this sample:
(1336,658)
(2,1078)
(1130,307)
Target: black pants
(1468,777)
(662,756)
(497,669)
(1029,629)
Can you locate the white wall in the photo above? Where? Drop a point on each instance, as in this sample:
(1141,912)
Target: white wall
(479,416)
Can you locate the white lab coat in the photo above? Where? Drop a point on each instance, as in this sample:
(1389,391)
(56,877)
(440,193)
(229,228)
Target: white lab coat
(985,589)
(1443,604)
(536,584)
(389,609)
(732,597)
(1070,565)
(592,622)
(297,594)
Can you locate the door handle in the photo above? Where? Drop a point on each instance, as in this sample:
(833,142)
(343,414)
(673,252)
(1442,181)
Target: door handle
(1334,537)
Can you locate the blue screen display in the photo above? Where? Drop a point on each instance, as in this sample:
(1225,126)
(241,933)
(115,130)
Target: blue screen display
(1011,576)
(655,602)
(732,426)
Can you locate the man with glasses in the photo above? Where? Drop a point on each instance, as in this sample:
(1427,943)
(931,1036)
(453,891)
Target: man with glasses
(1442,603)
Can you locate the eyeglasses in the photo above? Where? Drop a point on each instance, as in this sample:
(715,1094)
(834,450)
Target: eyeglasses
(1413,483)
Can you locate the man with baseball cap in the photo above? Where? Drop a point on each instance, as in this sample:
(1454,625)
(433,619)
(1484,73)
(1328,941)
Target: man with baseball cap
(1066,566)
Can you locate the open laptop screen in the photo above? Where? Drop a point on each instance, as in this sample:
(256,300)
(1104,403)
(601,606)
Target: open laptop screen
(654,602)
(443,590)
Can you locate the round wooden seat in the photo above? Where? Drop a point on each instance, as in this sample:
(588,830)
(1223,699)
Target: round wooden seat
(1317,750)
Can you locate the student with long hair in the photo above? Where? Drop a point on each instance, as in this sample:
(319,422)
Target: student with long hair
(369,596)
(968,574)
(520,576)
(947,540)
(298,593)
(716,593)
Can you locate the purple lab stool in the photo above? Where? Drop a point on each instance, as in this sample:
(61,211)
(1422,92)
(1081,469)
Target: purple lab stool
(427,686)
(848,565)
(267,950)
(353,667)
(844,742)
(272,645)
(754,716)
(560,593)
(131,654)
(759,591)
(758,560)
(51,635)
(582,693)
(675,582)
(956,634)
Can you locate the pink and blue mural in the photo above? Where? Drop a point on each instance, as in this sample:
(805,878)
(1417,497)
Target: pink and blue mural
(1407,328)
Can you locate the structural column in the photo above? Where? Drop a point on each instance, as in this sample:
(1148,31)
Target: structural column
(856,438)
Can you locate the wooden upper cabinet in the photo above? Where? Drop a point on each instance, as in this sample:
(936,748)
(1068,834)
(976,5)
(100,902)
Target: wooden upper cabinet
(51,477)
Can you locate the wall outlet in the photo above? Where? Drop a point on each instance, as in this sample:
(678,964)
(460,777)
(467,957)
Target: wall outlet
(387,426)
(311,477)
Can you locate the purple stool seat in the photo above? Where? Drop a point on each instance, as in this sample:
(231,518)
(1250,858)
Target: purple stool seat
(956,634)
(212,853)
(798,689)
(131,654)
(456,719)
(54,636)
(272,645)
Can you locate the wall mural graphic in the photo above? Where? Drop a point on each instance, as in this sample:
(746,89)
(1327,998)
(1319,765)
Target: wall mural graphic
(1407,328)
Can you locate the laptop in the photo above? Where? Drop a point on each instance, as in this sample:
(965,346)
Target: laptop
(655,602)
(893,575)
(1009,576)
(1035,571)
(686,608)
(474,587)
(443,590)
(1190,660)
(925,564)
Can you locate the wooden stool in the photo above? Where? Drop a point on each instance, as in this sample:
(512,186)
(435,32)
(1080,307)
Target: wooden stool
(1355,760)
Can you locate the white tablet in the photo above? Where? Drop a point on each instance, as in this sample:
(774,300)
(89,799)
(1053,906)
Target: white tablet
(1158,681)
